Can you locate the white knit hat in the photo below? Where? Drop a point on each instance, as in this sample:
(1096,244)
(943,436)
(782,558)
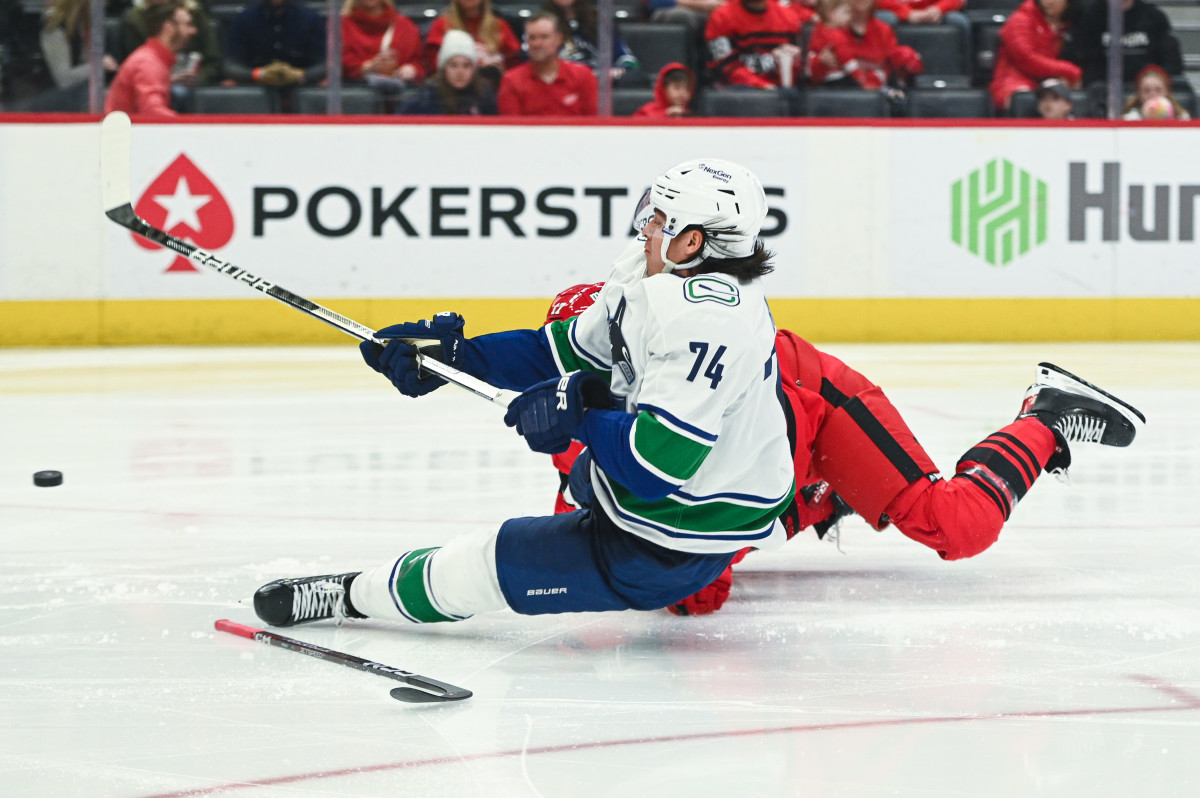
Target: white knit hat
(456,42)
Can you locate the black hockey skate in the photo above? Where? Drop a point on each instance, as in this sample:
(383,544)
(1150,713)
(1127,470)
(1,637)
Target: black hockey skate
(287,602)
(1079,411)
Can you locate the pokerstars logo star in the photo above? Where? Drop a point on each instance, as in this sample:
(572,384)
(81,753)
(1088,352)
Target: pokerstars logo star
(185,203)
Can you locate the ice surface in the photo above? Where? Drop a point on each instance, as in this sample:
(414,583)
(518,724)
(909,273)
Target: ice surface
(1064,661)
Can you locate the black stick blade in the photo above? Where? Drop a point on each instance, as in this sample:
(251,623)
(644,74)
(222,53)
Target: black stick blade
(412,695)
(423,690)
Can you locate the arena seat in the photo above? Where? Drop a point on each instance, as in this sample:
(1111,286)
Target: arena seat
(356,100)
(949,103)
(739,103)
(853,103)
(657,44)
(626,101)
(234,100)
(943,48)
(985,32)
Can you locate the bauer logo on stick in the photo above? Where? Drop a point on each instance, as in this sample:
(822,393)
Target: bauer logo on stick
(183,201)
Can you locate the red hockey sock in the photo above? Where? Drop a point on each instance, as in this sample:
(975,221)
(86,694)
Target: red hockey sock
(962,516)
(1006,463)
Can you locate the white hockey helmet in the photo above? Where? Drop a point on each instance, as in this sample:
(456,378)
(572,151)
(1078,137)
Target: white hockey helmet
(724,199)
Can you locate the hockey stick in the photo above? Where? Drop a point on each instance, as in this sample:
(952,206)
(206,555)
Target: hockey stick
(115,147)
(422,689)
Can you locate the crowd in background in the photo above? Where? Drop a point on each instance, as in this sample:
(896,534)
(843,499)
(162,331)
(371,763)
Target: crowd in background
(472,59)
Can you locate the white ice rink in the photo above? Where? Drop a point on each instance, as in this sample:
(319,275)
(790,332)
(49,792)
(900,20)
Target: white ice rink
(1064,661)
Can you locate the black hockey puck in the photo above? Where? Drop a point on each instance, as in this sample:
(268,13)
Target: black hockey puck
(47,479)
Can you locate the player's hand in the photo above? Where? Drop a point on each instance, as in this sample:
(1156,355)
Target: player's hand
(708,600)
(398,360)
(549,414)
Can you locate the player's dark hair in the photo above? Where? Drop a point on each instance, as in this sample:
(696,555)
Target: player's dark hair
(746,269)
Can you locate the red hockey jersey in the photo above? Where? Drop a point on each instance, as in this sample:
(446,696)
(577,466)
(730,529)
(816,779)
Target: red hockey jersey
(740,42)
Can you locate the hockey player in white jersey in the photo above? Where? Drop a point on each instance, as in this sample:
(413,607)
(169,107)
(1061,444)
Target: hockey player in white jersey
(671,380)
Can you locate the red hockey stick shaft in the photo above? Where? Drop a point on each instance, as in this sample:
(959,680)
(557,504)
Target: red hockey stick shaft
(421,689)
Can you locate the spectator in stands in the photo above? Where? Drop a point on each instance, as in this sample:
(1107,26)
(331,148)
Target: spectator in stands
(1054,100)
(673,92)
(143,83)
(1152,97)
(455,88)
(278,43)
(498,48)
(547,85)
(380,47)
(924,12)
(1147,39)
(850,47)
(749,39)
(198,64)
(579,22)
(1030,43)
(65,39)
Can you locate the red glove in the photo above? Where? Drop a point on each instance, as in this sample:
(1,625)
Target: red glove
(708,600)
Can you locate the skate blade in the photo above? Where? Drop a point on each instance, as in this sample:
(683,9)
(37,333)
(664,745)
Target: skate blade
(1052,376)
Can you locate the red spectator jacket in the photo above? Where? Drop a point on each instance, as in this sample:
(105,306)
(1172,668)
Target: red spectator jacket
(510,45)
(362,39)
(902,8)
(657,108)
(572,93)
(870,58)
(1028,54)
(740,42)
(143,84)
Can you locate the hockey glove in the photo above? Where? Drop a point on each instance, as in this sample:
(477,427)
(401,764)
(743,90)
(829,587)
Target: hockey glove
(707,600)
(397,360)
(548,415)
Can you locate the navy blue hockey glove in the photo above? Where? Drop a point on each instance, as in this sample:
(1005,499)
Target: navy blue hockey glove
(548,415)
(398,362)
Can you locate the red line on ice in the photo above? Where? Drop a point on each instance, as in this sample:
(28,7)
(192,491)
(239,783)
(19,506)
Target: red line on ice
(1186,702)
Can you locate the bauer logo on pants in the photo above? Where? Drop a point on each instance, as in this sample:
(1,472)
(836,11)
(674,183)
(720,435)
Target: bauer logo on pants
(182,201)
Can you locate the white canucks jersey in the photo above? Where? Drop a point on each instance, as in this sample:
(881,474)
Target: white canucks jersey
(694,360)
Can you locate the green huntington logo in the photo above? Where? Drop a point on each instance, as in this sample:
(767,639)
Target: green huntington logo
(998,212)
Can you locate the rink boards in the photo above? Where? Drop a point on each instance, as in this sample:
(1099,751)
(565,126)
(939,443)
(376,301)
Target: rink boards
(884,232)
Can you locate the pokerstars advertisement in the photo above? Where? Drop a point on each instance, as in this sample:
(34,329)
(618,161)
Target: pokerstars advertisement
(401,211)
(394,211)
